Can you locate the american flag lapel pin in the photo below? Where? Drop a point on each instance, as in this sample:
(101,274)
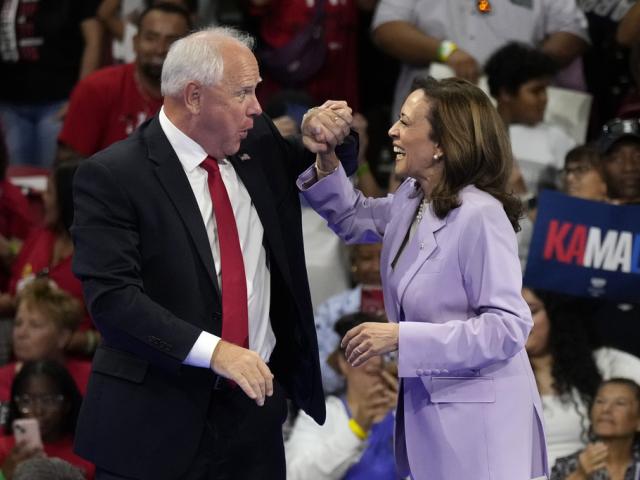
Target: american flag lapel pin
(244,157)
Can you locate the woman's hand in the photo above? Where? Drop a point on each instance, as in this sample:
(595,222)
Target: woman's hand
(18,454)
(592,458)
(369,339)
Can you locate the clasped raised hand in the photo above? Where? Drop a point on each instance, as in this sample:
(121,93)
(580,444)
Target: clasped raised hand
(326,126)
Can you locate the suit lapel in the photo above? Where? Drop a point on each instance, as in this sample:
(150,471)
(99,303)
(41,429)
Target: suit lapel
(422,247)
(253,178)
(175,183)
(399,225)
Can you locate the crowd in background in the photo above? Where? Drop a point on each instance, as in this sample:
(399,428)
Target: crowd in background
(80,75)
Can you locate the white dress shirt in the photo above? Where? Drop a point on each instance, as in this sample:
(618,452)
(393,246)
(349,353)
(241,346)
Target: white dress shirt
(250,231)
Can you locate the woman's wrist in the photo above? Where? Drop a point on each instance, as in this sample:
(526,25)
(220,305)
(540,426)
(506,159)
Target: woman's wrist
(326,164)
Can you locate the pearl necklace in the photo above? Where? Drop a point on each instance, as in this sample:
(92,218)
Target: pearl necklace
(421,210)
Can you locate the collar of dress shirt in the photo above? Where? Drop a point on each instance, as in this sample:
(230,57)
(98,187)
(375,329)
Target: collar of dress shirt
(190,153)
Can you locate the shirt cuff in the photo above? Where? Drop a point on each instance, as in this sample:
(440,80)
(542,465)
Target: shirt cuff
(202,351)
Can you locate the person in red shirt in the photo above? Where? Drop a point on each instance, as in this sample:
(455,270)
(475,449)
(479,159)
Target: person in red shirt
(44,323)
(48,252)
(278,23)
(111,103)
(43,390)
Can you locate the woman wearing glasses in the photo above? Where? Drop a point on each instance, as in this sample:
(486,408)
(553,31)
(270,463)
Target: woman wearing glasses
(43,390)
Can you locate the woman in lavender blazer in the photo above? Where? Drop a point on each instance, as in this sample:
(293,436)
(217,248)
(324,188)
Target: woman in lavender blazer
(469,407)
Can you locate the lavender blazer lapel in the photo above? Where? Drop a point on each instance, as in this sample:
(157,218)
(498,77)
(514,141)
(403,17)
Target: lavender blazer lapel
(421,248)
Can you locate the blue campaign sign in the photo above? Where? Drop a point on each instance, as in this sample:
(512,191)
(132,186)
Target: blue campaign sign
(585,248)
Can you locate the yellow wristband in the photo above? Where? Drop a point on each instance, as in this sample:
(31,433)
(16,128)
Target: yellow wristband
(357,430)
(445,49)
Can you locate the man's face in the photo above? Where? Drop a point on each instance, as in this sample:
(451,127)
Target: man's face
(621,167)
(158,31)
(225,112)
(528,105)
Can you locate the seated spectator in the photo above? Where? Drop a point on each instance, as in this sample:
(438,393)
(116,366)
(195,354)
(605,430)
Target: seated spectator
(518,77)
(15,218)
(356,440)
(619,146)
(614,452)
(567,370)
(43,390)
(42,468)
(618,324)
(48,251)
(365,274)
(45,321)
(582,174)
(111,103)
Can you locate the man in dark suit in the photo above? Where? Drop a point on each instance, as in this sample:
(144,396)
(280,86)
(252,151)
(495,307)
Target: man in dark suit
(188,242)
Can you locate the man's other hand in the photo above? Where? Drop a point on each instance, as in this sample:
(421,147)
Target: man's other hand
(245,368)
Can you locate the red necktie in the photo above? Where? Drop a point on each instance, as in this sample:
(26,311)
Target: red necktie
(234,284)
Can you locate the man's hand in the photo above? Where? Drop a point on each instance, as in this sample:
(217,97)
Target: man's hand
(326,126)
(369,339)
(464,65)
(245,368)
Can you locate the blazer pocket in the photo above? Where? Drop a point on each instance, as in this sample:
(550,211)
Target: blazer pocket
(460,389)
(117,363)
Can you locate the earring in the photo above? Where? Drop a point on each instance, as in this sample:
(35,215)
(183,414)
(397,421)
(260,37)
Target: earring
(436,157)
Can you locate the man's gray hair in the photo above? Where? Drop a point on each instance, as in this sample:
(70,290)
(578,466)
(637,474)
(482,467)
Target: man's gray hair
(197,58)
(42,468)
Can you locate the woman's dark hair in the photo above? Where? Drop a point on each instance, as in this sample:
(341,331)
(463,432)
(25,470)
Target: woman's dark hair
(574,366)
(64,384)
(515,64)
(63,179)
(476,147)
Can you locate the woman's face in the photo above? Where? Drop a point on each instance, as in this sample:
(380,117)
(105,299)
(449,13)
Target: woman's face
(49,198)
(537,343)
(36,336)
(615,412)
(40,399)
(582,180)
(363,378)
(412,144)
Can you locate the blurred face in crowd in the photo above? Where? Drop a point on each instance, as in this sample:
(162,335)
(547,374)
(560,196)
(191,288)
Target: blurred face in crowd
(363,378)
(158,31)
(224,113)
(40,399)
(581,179)
(615,412)
(621,168)
(36,336)
(412,144)
(529,103)
(365,263)
(537,343)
